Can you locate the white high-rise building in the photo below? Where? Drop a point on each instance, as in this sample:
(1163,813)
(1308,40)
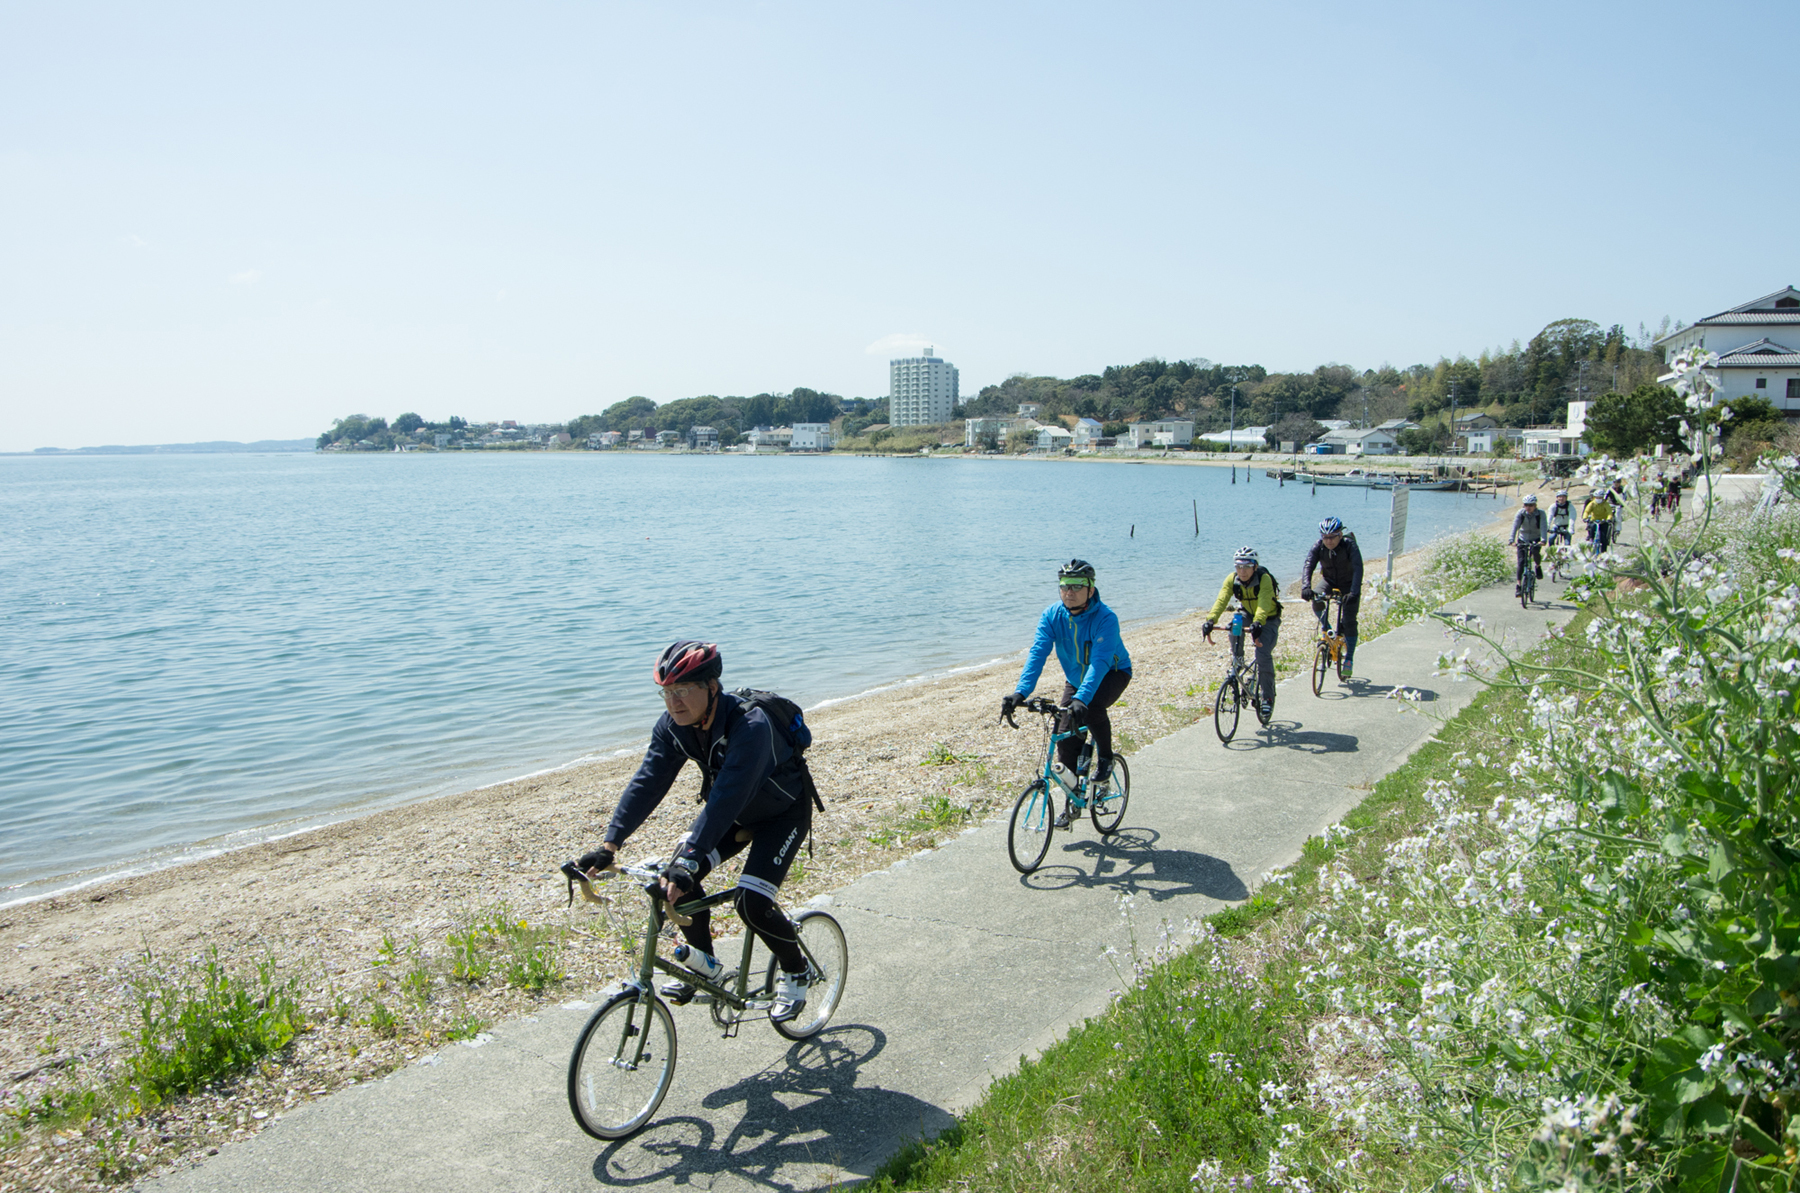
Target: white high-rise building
(922,390)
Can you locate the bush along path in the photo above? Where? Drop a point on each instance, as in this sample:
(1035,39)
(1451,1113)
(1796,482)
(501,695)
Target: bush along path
(1559,949)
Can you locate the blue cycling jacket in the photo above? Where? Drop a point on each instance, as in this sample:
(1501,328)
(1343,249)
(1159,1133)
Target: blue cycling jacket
(1087,645)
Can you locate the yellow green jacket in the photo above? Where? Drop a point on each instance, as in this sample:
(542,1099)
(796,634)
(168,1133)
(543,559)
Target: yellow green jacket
(1598,510)
(1258,596)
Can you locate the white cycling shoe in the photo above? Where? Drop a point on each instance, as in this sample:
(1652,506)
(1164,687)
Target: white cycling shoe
(790,997)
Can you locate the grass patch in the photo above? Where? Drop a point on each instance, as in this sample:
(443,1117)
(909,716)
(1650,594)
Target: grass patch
(937,812)
(942,755)
(1136,1098)
(496,939)
(201,1023)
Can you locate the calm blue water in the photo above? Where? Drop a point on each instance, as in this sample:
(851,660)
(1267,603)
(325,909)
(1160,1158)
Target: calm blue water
(198,650)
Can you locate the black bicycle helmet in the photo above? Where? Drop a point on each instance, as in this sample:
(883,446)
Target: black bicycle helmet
(688,661)
(1075,569)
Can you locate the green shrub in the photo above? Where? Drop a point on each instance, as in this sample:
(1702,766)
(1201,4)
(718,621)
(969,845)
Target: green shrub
(201,1023)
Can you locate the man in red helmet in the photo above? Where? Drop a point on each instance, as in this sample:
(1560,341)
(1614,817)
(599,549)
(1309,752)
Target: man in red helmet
(755,792)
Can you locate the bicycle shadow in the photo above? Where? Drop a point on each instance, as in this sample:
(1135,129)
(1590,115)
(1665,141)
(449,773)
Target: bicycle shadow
(1129,862)
(804,1123)
(1293,735)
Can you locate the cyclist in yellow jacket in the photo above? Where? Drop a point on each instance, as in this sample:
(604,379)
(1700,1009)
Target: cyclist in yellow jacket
(1255,589)
(1599,515)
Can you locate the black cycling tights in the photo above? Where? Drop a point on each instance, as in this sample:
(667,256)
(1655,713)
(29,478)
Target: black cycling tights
(773,844)
(1099,724)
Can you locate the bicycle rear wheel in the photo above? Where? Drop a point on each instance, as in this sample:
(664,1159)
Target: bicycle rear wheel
(1527,588)
(1226,708)
(827,968)
(1321,665)
(1109,809)
(623,1062)
(1032,825)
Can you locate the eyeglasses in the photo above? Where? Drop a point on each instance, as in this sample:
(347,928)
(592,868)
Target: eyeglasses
(683,692)
(1074,587)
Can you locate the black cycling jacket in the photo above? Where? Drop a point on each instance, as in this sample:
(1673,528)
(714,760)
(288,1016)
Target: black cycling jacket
(748,766)
(1341,569)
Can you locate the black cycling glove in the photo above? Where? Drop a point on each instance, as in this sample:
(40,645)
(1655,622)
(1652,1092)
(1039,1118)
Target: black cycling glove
(1077,714)
(1008,702)
(597,859)
(681,876)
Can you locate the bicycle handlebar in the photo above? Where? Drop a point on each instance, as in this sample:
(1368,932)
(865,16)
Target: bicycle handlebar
(648,873)
(1041,705)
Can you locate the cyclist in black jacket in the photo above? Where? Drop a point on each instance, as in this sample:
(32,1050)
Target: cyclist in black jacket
(755,791)
(1340,565)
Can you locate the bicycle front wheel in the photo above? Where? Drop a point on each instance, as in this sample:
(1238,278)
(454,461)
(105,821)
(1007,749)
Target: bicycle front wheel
(1321,665)
(1226,708)
(1109,809)
(1032,825)
(623,1062)
(827,968)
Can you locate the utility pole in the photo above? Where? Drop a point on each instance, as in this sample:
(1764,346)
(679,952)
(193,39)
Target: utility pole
(1453,416)
(1231,436)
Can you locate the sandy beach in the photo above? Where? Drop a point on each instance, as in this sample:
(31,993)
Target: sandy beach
(347,910)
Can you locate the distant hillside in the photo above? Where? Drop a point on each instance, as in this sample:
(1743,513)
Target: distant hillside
(217,445)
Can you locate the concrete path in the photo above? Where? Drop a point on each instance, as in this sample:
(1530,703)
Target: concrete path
(959,967)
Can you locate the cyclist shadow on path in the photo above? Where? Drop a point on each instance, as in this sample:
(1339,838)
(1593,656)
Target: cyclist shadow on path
(803,1120)
(1292,735)
(1129,862)
(1362,690)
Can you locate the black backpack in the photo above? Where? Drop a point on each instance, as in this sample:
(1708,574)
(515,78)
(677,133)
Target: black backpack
(790,723)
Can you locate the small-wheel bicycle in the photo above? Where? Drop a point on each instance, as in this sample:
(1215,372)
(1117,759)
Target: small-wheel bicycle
(1332,644)
(1528,561)
(624,1058)
(1238,688)
(1562,555)
(1034,820)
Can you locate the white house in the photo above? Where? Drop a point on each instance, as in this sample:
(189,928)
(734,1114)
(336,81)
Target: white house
(1558,441)
(1480,441)
(1053,438)
(778,438)
(704,438)
(1164,432)
(668,438)
(1029,409)
(811,437)
(1088,432)
(1371,441)
(977,431)
(1758,345)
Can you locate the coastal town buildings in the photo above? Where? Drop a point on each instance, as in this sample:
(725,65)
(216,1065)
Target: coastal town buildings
(1758,343)
(1088,432)
(922,390)
(1053,438)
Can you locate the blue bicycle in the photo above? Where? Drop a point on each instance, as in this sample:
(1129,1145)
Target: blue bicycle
(1034,817)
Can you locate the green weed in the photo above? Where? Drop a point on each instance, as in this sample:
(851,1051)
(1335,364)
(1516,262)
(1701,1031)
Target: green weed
(201,1022)
(937,812)
(942,755)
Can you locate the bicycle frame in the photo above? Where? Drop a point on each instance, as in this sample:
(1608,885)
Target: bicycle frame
(1331,625)
(740,999)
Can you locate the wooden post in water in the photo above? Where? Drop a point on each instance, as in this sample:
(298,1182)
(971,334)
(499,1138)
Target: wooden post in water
(1196,517)
(1234,472)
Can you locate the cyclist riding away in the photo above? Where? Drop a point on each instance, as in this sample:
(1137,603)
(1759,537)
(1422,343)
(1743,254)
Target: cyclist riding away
(1254,587)
(1562,517)
(1085,636)
(756,793)
(1528,531)
(1340,565)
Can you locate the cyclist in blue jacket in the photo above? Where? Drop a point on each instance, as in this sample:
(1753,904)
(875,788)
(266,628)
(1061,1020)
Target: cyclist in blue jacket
(1085,636)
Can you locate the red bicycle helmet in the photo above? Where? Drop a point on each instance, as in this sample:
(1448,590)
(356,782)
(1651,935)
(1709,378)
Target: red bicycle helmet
(688,661)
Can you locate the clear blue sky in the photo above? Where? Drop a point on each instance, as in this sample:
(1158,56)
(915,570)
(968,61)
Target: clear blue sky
(240,221)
